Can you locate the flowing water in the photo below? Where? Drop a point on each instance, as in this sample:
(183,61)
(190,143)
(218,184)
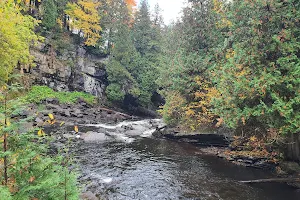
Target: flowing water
(125,162)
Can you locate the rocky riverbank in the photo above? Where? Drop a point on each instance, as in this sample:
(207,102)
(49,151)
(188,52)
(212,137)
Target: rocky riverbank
(239,151)
(99,124)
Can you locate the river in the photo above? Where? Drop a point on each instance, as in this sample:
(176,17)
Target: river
(126,162)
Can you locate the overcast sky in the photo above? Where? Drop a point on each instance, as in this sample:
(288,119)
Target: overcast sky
(170,8)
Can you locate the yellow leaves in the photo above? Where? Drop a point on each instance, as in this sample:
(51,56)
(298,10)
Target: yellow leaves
(190,112)
(253,139)
(130,5)
(85,17)
(218,7)
(230,54)
(242,73)
(62,123)
(51,122)
(76,129)
(60,22)
(3,88)
(41,133)
(51,116)
(7,122)
(51,119)
(17,35)
(199,94)
(197,112)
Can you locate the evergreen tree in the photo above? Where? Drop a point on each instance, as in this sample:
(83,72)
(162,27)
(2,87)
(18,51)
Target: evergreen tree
(146,40)
(142,29)
(50,14)
(122,65)
(259,72)
(186,62)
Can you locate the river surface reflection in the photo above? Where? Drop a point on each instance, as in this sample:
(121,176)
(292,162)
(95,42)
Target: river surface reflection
(154,169)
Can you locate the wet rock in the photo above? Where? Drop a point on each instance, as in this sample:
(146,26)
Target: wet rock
(52,101)
(68,136)
(88,196)
(264,164)
(91,136)
(53,106)
(39,122)
(67,113)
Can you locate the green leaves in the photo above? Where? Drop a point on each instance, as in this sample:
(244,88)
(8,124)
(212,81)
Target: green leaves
(50,14)
(27,171)
(249,52)
(267,57)
(17,34)
(132,67)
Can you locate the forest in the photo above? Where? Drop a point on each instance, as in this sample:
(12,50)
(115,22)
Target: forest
(233,64)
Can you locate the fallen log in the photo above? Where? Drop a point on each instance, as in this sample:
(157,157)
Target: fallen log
(278,180)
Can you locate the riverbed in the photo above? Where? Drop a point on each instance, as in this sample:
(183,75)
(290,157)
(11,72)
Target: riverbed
(127,164)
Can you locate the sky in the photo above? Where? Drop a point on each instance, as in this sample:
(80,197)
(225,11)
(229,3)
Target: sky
(170,8)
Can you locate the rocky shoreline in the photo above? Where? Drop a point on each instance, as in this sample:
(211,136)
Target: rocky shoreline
(220,145)
(81,113)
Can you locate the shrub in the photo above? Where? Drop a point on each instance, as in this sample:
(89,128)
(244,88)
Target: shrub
(27,171)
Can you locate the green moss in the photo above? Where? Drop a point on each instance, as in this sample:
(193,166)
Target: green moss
(39,93)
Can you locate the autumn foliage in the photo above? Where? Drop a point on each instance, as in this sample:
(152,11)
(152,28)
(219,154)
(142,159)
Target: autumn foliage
(131,4)
(84,16)
(239,62)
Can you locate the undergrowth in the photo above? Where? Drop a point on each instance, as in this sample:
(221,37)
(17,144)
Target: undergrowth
(39,93)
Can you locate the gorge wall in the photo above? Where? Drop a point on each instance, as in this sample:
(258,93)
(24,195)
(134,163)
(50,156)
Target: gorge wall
(70,69)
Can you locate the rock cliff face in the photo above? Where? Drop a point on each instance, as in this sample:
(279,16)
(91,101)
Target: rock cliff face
(70,69)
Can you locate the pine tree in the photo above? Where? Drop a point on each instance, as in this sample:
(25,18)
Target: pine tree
(142,29)
(50,14)
(146,41)
(123,62)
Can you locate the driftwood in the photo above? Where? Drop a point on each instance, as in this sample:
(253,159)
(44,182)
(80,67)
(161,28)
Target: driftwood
(278,180)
